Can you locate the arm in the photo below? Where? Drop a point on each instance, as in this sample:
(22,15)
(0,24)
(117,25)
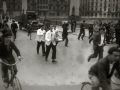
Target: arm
(102,77)
(15,49)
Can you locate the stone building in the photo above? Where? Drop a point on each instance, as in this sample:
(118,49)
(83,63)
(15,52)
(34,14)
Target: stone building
(100,8)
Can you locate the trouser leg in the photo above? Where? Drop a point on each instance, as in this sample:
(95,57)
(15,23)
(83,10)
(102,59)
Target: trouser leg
(54,52)
(38,46)
(66,41)
(43,47)
(47,50)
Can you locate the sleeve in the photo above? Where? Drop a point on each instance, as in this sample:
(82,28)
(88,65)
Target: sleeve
(15,49)
(102,77)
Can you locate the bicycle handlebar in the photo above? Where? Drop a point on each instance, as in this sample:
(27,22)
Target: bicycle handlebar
(11,64)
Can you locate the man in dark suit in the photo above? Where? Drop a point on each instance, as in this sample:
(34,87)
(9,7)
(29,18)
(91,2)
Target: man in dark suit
(98,44)
(101,72)
(6,47)
(14,28)
(65,33)
(82,30)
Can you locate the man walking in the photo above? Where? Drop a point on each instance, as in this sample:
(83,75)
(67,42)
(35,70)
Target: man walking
(101,72)
(65,33)
(50,39)
(82,30)
(98,44)
(41,40)
(14,28)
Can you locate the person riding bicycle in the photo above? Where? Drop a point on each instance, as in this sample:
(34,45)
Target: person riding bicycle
(101,72)
(6,48)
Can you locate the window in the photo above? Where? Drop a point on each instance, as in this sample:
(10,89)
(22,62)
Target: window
(113,5)
(100,4)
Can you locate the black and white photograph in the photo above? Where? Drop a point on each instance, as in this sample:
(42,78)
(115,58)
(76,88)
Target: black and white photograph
(59,44)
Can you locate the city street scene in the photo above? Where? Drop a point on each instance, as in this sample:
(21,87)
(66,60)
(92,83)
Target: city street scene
(60,44)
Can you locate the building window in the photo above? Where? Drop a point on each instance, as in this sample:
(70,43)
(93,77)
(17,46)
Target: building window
(109,5)
(113,5)
(100,4)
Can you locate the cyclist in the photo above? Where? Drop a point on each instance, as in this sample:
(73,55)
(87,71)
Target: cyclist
(101,72)
(6,47)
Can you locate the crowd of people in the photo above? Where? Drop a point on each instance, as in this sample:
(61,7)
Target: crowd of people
(100,33)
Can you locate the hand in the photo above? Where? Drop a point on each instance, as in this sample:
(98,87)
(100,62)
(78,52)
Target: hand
(20,58)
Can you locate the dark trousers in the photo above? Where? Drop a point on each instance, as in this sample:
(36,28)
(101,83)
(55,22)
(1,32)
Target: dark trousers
(108,38)
(29,34)
(97,51)
(53,49)
(43,47)
(14,32)
(90,34)
(81,32)
(66,40)
(5,67)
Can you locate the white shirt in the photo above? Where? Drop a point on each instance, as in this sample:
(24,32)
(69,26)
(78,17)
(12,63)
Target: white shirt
(111,66)
(40,35)
(50,37)
(102,40)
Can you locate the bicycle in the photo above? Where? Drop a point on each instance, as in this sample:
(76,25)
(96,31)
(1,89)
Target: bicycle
(115,79)
(13,81)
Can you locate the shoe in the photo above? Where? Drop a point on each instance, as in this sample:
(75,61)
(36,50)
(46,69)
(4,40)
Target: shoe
(89,58)
(37,52)
(66,46)
(53,61)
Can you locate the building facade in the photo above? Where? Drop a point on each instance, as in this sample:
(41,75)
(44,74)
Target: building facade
(14,7)
(100,8)
(53,8)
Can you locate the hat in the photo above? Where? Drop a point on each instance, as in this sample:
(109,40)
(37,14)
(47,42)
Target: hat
(6,33)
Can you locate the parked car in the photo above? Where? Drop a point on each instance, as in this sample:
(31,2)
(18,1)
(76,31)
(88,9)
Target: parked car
(34,25)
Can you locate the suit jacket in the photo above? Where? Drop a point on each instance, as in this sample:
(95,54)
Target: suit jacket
(82,27)
(101,70)
(40,35)
(5,53)
(97,40)
(50,37)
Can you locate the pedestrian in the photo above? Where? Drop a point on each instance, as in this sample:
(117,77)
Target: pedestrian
(29,29)
(55,29)
(41,39)
(50,41)
(112,31)
(5,24)
(101,72)
(65,33)
(108,33)
(98,45)
(82,31)
(90,30)
(14,28)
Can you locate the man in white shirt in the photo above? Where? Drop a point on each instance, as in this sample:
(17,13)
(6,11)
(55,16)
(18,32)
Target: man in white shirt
(41,40)
(50,41)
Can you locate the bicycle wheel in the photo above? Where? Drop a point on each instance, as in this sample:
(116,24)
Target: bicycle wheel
(16,84)
(115,80)
(6,85)
(86,86)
